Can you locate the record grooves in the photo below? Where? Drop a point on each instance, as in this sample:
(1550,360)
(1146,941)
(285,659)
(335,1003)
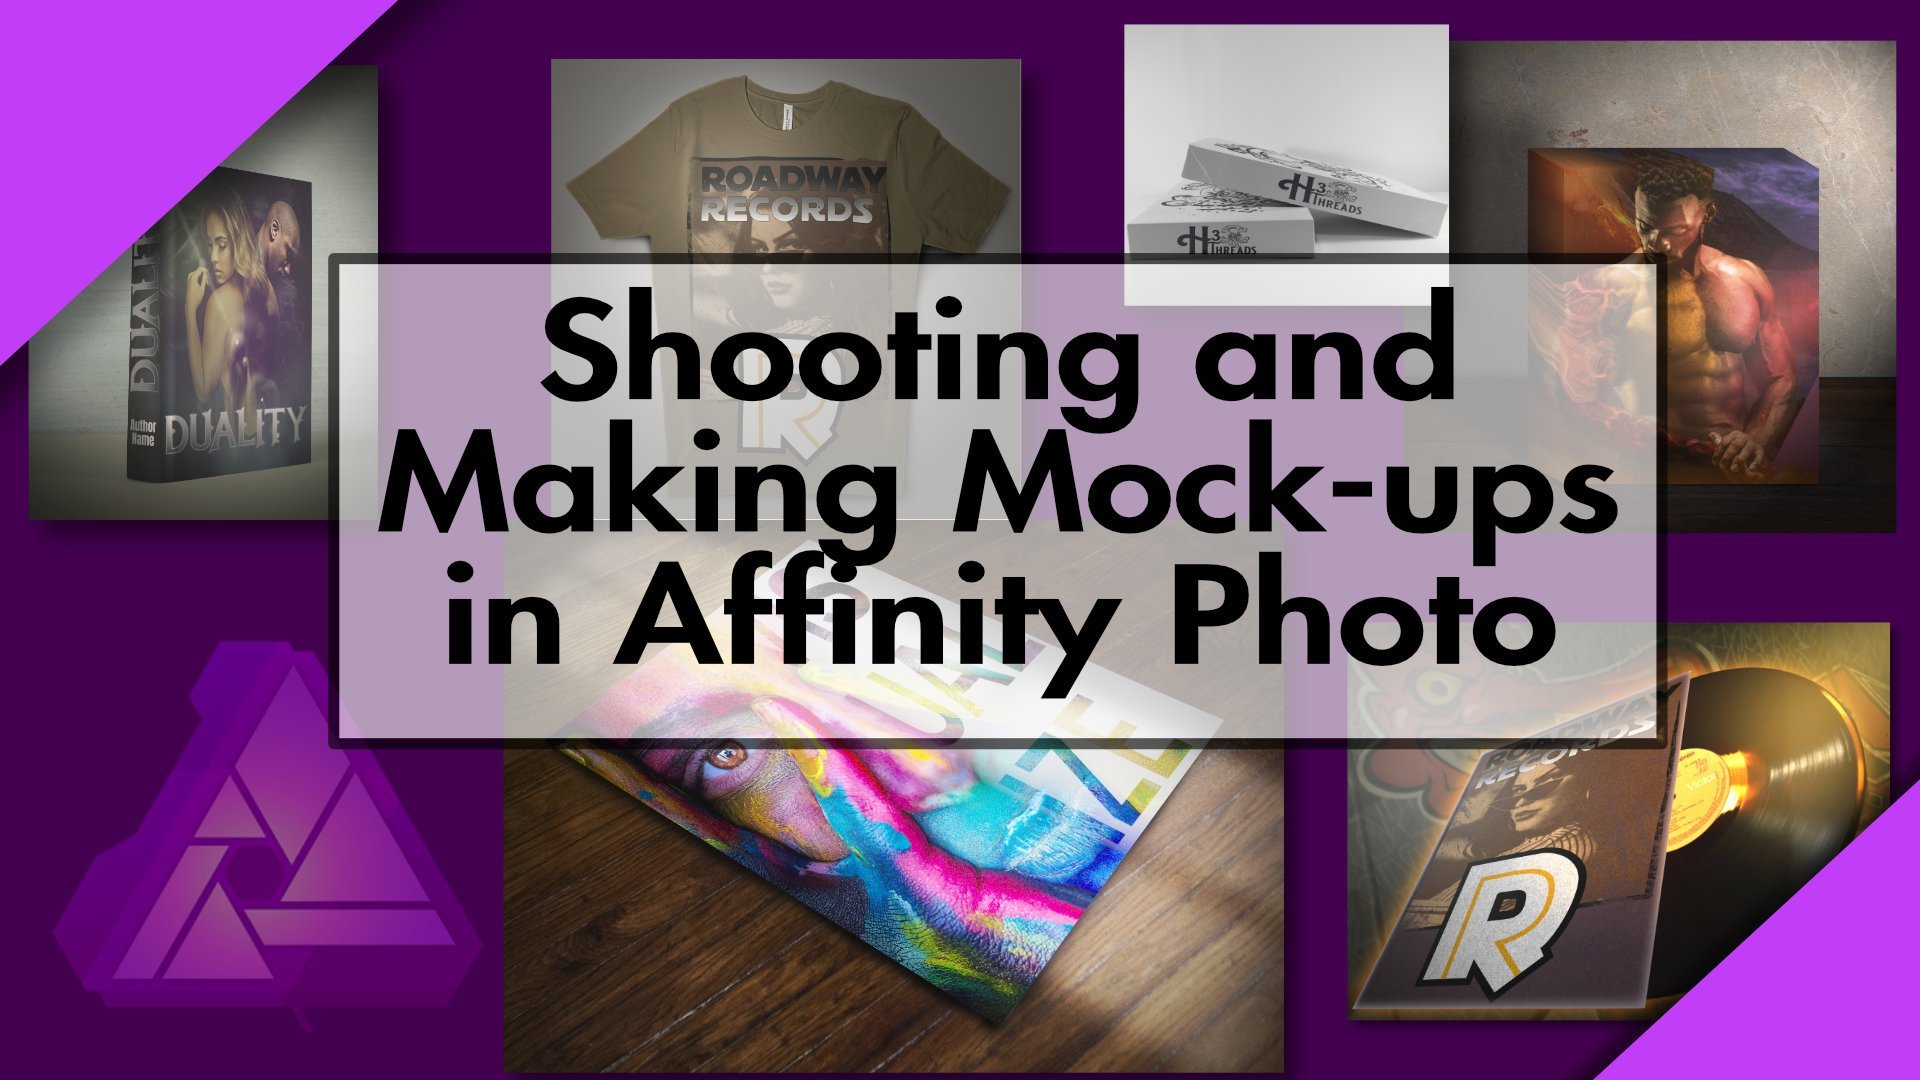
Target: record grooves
(1796,770)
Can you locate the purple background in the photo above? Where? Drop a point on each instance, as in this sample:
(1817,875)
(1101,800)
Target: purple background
(107,623)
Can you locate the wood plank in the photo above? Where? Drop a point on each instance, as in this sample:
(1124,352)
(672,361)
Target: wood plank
(1247,1036)
(587,1024)
(1856,488)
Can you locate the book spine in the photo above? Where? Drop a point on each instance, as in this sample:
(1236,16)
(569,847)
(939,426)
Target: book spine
(146,452)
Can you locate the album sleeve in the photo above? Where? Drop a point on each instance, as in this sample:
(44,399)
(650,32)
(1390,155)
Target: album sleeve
(631,190)
(955,199)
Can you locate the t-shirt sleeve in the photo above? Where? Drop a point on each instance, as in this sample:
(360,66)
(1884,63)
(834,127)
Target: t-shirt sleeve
(631,190)
(955,199)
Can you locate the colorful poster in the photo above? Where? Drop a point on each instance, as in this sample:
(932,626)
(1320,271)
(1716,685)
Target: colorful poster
(946,812)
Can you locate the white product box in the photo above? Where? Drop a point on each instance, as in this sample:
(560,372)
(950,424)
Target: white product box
(1330,189)
(1200,219)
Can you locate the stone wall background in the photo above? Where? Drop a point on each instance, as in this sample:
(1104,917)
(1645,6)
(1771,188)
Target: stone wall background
(1831,103)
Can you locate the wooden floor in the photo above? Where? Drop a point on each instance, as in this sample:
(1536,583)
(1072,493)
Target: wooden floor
(631,946)
(1855,492)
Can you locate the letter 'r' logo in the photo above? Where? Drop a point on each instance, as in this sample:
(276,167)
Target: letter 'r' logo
(795,421)
(1506,914)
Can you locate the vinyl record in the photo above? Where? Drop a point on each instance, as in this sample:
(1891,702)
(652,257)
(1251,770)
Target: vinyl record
(1788,771)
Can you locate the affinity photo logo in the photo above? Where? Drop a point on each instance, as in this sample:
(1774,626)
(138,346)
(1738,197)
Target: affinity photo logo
(272,870)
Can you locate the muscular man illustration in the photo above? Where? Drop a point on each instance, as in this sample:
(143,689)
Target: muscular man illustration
(1733,388)
(1722,330)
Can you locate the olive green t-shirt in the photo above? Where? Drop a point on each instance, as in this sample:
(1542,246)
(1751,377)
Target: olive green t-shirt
(735,167)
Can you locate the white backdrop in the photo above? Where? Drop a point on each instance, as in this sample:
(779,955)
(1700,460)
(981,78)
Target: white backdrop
(1369,97)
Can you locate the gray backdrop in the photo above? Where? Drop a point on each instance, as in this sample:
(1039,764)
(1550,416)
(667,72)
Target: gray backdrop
(77,364)
(1831,103)
(599,104)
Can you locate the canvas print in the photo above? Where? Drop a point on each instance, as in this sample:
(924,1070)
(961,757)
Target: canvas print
(220,331)
(849,786)
(1740,231)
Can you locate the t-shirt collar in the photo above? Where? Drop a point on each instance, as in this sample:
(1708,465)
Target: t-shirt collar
(826,94)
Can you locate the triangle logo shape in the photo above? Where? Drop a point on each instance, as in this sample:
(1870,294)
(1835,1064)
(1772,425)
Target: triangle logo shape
(217,946)
(230,818)
(354,857)
(289,767)
(273,869)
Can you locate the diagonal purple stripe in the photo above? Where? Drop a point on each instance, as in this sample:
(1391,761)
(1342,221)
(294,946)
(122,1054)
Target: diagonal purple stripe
(75,113)
(1833,965)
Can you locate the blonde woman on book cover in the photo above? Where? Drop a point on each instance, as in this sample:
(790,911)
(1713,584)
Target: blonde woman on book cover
(230,306)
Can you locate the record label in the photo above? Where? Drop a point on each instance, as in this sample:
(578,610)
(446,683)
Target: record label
(1705,786)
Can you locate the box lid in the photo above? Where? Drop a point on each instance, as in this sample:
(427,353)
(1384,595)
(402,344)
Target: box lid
(1195,201)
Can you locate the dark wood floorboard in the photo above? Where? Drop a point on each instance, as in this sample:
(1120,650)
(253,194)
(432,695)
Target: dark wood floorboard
(1855,492)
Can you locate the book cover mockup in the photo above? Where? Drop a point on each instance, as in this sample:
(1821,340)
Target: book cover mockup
(220,332)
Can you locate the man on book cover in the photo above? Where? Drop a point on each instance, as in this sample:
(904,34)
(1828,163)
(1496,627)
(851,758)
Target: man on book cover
(241,306)
(220,343)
